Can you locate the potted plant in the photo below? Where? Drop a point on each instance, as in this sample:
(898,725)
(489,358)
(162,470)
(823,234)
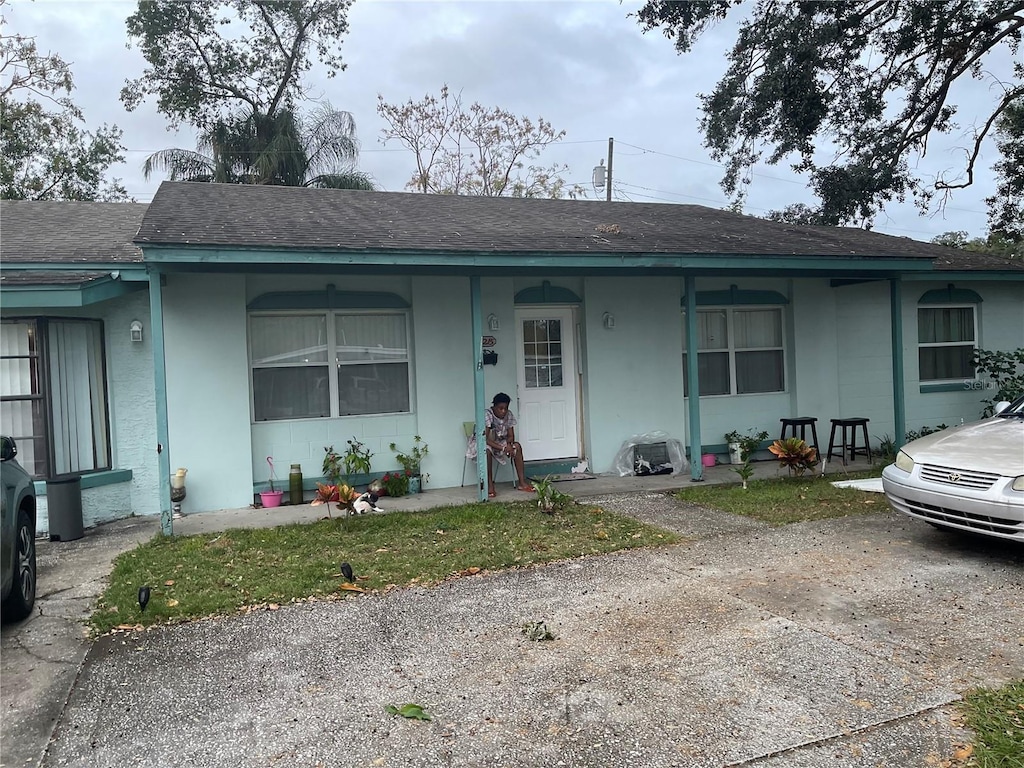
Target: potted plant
(271,498)
(794,454)
(395,483)
(412,462)
(355,461)
(742,447)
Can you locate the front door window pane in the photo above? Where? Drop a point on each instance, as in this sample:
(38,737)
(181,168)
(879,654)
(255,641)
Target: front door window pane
(542,353)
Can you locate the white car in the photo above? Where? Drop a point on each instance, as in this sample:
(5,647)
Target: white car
(969,478)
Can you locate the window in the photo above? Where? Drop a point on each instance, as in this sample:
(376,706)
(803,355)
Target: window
(320,364)
(946,339)
(739,351)
(53,394)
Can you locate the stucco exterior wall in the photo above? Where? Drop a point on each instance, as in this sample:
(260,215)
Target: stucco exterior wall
(863,340)
(1000,327)
(208,388)
(633,372)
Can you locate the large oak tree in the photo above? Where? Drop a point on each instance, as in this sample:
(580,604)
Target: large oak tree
(210,59)
(852,92)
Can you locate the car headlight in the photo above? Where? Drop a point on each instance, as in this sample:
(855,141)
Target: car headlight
(904,462)
(1018,484)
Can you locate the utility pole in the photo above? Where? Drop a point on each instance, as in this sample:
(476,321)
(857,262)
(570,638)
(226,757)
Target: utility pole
(611,147)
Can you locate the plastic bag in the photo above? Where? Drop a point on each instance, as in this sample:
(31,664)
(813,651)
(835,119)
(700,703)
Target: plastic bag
(629,461)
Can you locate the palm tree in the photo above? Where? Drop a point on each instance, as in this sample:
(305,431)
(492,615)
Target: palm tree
(281,148)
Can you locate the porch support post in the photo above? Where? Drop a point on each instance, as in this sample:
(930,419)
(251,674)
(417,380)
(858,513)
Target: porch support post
(163,456)
(898,389)
(480,405)
(692,380)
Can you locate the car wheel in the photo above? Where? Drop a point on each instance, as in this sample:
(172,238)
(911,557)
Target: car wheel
(18,604)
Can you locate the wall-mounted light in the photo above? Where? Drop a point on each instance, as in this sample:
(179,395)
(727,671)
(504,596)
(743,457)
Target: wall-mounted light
(609,320)
(493,324)
(136,330)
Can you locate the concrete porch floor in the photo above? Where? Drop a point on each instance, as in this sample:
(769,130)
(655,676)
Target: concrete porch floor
(602,485)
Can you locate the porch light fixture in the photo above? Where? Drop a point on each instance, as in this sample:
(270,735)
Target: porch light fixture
(136,330)
(609,320)
(493,324)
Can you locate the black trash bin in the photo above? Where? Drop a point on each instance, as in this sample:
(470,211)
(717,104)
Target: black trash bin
(64,508)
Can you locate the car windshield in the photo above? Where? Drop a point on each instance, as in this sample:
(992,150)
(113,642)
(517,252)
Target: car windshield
(1015,409)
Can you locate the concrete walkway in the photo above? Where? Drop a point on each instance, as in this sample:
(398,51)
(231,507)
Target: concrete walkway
(834,643)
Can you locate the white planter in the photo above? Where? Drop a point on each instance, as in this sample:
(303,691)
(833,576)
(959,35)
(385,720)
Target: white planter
(735,454)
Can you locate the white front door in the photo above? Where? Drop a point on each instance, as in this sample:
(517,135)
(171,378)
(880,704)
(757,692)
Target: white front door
(547,379)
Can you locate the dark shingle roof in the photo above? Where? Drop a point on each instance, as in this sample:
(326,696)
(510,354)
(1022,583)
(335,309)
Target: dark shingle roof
(69,232)
(224,215)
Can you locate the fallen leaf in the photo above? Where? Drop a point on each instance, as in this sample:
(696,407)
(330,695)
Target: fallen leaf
(172,603)
(273,606)
(411,711)
(962,753)
(351,587)
(863,704)
(169,583)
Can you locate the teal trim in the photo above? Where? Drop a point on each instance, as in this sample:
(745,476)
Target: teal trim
(525,262)
(950,295)
(736,296)
(545,293)
(156,330)
(838,282)
(479,398)
(692,375)
(94,479)
(327,299)
(63,296)
(945,386)
(899,395)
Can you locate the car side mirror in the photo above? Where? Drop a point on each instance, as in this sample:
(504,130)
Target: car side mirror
(1001,406)
(8,450)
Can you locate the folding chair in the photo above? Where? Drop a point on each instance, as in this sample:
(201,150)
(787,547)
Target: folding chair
(468,429)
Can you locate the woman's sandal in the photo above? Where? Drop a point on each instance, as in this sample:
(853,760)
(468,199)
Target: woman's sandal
(527,489)
(492,493)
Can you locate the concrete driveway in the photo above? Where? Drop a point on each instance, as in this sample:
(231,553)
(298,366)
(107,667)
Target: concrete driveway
(844,642)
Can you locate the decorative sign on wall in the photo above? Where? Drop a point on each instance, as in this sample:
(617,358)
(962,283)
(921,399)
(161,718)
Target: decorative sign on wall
(490,341)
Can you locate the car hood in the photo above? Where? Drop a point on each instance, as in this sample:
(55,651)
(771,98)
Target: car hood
(993,445)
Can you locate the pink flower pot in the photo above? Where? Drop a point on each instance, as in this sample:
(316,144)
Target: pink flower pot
(271,498)
(708,459)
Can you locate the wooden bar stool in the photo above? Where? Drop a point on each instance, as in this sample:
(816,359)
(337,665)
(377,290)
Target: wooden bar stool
(849,440)
(803,422)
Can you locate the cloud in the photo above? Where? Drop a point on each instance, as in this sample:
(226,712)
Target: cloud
(584,66)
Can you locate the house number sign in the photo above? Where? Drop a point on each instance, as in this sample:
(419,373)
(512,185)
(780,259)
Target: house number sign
(490,341)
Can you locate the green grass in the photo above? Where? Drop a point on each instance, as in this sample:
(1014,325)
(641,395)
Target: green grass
(217,574)
(997,718)
(780,501)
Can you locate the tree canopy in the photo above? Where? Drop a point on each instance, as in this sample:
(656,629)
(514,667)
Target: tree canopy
(473,150)
(45,153)
(207,59)
(852,91)
(284,148)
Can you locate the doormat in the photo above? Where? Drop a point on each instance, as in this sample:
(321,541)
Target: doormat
(567,476)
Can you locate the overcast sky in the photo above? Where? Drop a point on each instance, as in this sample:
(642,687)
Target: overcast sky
(584,66)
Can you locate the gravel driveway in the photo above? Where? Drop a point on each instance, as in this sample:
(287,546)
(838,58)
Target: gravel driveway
(843,642)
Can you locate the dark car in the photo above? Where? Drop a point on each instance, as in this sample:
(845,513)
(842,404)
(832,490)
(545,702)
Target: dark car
(18,534)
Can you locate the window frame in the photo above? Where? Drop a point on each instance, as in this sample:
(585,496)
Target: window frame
(333,364)
(46,442)
(732,349)
(921,345)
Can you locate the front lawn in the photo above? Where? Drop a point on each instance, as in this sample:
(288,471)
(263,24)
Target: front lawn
(779,501)
(220,573)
